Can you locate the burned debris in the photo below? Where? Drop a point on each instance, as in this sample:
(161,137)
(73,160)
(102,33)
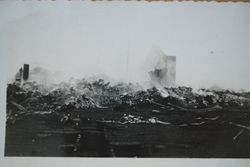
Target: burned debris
(95,118)
(85,95)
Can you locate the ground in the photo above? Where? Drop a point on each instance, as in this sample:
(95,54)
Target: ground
(141,131)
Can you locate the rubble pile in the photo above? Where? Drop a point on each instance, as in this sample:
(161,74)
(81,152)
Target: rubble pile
(83,94)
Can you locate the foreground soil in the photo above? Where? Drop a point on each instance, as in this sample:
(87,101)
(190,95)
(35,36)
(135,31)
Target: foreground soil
(142,131)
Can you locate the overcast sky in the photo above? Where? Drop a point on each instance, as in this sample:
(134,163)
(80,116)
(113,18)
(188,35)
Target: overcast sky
(210,40)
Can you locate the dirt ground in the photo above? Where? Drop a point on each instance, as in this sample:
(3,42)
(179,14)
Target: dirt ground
(148,131)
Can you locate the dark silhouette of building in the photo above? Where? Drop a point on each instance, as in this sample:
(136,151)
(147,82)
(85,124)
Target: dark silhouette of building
(25,72)
(22,74)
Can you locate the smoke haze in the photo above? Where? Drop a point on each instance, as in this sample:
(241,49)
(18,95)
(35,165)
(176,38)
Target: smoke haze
(79,39)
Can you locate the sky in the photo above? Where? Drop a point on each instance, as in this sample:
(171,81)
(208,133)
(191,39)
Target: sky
(211,41)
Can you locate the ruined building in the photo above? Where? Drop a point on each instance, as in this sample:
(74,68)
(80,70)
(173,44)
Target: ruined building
(164,72)
(23,74)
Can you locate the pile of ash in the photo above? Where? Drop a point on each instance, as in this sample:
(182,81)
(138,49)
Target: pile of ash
(83,95)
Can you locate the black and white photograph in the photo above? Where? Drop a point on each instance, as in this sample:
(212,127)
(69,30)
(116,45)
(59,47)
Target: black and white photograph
(126,79)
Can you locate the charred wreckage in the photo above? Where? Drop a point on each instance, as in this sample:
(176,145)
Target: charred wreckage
(98,119)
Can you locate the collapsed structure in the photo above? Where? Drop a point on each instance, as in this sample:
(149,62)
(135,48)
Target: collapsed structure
(23,74)
(164,72)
